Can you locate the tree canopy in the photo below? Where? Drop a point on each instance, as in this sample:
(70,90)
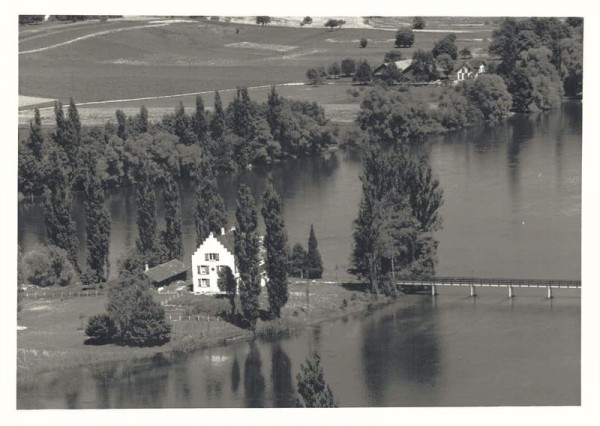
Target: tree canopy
(263,20)
(405,37)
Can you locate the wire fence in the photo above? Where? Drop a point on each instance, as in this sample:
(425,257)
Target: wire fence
(61,294)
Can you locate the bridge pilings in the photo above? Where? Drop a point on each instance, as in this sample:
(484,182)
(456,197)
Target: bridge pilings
(433,293)
(473,294)
(510,291)
(549,292)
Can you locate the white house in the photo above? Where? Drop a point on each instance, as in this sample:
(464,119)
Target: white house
(212,255)
(469,70)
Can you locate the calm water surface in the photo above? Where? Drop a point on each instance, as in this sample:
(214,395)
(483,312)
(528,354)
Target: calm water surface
(512,209)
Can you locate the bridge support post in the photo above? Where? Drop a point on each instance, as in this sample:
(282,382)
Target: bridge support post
(433,293)
(510,291)
(473,294)
(549,292)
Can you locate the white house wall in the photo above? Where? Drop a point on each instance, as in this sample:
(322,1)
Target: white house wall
(211,245)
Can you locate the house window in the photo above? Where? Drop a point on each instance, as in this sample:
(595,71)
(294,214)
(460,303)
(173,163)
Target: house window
(211,257)
(204,282)
(203,270)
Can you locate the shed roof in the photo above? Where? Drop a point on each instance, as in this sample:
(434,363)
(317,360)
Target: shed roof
(402,65)
(166,270)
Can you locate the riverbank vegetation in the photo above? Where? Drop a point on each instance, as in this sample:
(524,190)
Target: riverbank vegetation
(55,328)
(243,134)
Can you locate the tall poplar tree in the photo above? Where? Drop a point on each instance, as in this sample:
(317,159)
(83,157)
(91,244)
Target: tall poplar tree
(172,235)
(276,250)
(209,214)
(200,122)
(146,213)
(57,198)
(97,223)
(314,264)
(35,141)
(247,255)
(275,105)
(217,124)
(121,124)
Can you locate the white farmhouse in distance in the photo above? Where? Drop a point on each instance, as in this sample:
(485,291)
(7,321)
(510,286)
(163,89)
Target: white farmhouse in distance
(469,70)
(212,255)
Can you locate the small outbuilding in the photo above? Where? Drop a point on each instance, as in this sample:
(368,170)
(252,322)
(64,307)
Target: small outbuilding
(167,273)
(403,66)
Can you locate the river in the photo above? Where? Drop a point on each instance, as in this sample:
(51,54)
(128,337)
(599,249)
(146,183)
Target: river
(512,209)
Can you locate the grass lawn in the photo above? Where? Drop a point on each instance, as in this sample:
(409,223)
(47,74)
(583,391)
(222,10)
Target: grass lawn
(204,56)
(54,336)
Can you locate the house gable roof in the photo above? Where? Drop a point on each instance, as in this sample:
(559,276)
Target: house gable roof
(227,240)
(470,65)
(166,270)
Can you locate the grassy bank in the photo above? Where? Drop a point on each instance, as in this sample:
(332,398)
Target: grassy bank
(55,338)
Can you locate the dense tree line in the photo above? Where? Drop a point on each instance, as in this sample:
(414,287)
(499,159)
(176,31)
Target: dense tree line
(398,213)
(243,133)
(541,60)
(390,116)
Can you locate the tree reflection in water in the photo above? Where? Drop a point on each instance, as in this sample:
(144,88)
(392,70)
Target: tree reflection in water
(254,382)
(235,375)
(281,377)
(406,349)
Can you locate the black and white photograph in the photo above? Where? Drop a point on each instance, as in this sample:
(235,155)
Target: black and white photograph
(314,210)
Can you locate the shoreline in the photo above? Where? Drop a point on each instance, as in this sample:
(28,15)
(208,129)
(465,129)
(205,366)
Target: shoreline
(346,303)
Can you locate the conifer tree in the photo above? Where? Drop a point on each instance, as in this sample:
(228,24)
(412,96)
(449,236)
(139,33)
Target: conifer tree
(146,213)
(181,122)
(217,124)
(247,255)
(172,236)
(276,250)
(314,264)
(200,121)
(275,104)
(313,389)
(143,121)
(209,214)
(121,124)
(60,227)
(35,141)
(97,223)
(74,132)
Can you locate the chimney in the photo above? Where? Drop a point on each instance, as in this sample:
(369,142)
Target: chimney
(222,231)
(146,267)
(232,229)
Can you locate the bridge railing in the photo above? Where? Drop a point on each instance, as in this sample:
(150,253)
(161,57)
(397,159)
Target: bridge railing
(492,282)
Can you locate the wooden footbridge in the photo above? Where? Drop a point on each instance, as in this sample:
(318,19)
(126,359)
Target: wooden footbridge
(473,283)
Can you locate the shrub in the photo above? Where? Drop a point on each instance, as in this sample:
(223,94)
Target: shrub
(47,266)
(139,319)
(363,73)
(348,66)
(363,42)
(405,37)
(418,23)
(392,56)
(306,21)
(316,75)
(101,328)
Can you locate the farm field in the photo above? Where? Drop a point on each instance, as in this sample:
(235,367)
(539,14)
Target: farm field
(150,57)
